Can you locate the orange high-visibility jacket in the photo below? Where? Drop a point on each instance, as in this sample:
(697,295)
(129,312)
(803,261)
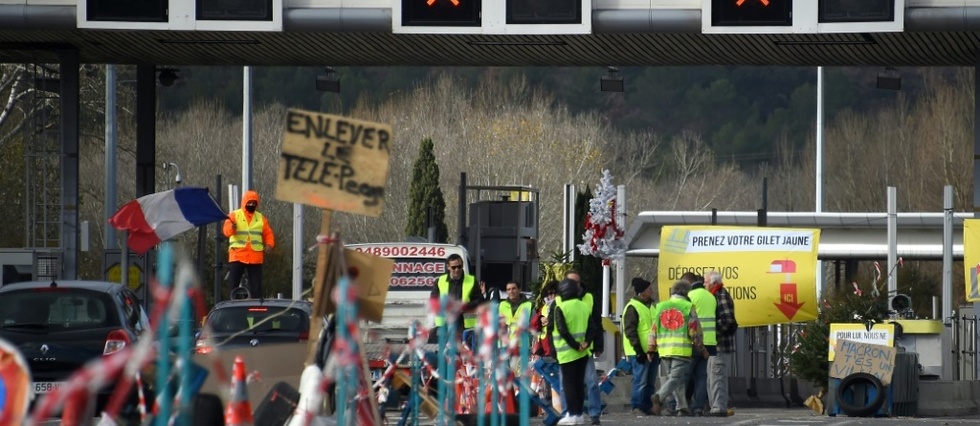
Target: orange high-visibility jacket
(247,254)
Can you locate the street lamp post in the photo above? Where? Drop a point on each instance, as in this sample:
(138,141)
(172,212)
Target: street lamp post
(167,167)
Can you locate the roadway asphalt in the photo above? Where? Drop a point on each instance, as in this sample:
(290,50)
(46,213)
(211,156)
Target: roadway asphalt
(759,417)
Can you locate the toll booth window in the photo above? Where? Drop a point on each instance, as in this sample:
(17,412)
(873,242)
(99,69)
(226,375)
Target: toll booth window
(544,12)
(127,10)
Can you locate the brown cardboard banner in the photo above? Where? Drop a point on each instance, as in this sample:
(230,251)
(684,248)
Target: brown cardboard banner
(334,162)
(856,357)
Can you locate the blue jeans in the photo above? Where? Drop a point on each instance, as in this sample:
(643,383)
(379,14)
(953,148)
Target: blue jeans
(593,403)
(698,372)
(644,381)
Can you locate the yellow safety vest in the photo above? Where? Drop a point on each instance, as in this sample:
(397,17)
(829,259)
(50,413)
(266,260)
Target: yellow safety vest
(589,302)
(705,305)
(576,314)
(469,320)
(247,232)
(645,315)
(672,331)
(511,318)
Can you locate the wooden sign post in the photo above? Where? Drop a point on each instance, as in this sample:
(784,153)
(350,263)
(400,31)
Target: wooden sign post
(339,163)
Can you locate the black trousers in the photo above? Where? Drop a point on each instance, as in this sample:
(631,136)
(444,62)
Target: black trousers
(572,377)
(237,269)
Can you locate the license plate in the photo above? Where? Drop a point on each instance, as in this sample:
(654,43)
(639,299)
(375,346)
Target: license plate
(46,387)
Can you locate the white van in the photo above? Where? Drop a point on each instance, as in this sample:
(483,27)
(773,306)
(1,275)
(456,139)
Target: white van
(417,268)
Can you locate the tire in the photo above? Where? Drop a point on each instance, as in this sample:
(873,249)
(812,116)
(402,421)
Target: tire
(859,408)
(238,293)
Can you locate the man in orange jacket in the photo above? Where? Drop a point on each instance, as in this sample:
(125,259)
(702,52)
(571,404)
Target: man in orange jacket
(249,237)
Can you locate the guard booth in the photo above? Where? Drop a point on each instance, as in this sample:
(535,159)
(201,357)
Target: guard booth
(18,265)
(502,232)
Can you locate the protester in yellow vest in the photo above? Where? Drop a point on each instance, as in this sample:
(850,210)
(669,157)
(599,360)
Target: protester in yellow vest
(593,401)
(461,287)
(573,336)
(704,303)
(249,238)
(637,320)
(515,308)
(676,335)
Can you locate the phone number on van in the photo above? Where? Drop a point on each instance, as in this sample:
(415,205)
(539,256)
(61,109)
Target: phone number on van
(404,251)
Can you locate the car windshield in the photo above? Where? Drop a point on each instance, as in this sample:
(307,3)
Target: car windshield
(259,319)
(55,310)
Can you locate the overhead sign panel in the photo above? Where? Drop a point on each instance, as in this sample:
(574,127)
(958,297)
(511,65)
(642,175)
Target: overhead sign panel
(181,15)
(492,17)
(441,13)
(836,11)
(544,12)
(735,13)
(801,16)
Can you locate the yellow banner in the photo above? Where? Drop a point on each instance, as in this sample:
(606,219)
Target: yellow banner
(971,257)
(769,272)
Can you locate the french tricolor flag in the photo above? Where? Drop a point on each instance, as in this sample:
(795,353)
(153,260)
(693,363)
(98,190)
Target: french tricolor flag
(163,215)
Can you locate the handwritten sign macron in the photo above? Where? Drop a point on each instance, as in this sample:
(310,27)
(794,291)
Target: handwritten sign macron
(334,162)
(856,357)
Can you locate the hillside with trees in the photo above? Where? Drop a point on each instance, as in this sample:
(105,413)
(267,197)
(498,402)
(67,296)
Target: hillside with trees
(504,126)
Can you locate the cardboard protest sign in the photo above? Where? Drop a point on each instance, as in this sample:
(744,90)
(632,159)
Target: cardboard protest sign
(878,334)
(371,275)
(334,162)
(855,357)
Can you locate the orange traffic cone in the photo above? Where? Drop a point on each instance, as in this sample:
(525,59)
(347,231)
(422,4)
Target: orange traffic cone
(239,411)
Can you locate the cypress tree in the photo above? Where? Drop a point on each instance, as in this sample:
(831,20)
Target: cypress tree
(424,192)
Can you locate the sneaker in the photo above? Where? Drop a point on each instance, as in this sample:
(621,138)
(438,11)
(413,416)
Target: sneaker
(567,420)
(683,412)
(657,405)
(697,413)
(639,412)
(717,414)
(596,421)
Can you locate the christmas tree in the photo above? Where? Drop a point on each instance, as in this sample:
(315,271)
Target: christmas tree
(603,237)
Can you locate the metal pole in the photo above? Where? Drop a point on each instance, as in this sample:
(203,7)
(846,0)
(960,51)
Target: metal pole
(819,165)
(217,244)
(976,148)
(110,154)
(297,251)
(246,129)
(947,250)
(620,264)
(68,104)
(892,240)
(462,238)
(570,230)
(565,235)
(947,293)
(818,202)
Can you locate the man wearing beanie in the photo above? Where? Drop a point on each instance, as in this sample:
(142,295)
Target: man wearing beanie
(637,320)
